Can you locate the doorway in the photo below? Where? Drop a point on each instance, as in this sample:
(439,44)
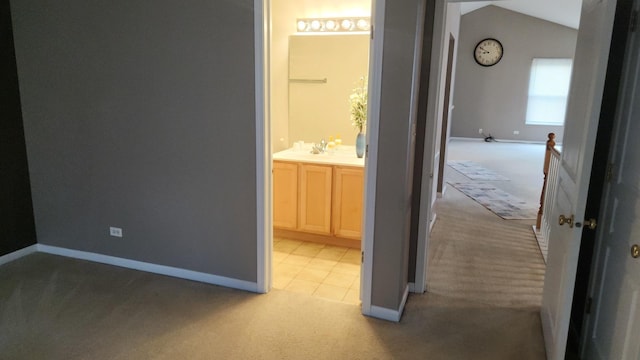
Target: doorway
(477,87)
(319,61)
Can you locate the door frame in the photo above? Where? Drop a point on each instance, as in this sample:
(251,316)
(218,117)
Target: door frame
(371,153)
(429,177)
(264,178)
(593,49)
(613,101)
(586,271)
(446,113)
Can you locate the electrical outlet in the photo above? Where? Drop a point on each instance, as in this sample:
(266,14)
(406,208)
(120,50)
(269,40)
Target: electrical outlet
(115,231)
(516,132)
(480,131)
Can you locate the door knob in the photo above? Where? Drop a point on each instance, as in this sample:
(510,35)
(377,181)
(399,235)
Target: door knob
(635,251)
(591,224)
(565,220)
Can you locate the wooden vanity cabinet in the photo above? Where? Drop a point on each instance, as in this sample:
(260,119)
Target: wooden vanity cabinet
(285,195)
(324,200)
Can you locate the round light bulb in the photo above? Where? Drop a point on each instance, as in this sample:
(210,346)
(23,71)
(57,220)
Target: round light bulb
(315,25)
(302,25)
(363,24)
(346,24)
(330,25)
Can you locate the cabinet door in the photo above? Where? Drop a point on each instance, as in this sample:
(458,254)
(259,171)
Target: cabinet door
(347,202)
(315,198)
(285,195)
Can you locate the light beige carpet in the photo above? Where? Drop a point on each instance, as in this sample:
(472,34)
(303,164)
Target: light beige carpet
(477,256)
(59,308)
(486,279)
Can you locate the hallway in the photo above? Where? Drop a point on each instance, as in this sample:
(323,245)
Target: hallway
(476,255)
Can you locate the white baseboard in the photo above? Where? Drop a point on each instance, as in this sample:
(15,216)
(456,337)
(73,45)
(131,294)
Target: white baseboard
(18,254)
(440,195)
(152,268)
(466,138)
(390,314)
(432,222)
(499,140)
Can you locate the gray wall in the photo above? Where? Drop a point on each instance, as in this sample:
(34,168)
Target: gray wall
(495,98)
(16,212)
(394,177)
(140,114)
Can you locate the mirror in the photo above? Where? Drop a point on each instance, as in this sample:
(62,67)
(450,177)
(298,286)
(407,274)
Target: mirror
(323,71)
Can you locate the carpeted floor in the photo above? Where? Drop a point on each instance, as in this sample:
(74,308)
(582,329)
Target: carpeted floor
(521,163)
(59,308)
(485,281)
(477,256)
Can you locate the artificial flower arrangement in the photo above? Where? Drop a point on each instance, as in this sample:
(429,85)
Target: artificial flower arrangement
(358,101)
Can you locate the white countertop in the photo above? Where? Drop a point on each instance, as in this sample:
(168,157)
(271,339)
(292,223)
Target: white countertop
(345,155)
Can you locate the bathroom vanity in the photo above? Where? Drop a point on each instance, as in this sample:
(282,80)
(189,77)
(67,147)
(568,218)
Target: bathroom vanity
(318,197)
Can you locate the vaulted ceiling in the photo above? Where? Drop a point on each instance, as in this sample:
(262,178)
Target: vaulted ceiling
(564,12)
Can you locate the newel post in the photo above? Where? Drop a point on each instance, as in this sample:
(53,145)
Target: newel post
(551,143)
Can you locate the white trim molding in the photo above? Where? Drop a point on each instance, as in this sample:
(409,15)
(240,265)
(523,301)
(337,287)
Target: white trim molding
(4,259)
(263,147)
(391,314)
(371,157)
(499,140)
(151,268)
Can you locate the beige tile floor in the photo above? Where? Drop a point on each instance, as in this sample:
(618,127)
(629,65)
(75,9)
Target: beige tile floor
(325,271)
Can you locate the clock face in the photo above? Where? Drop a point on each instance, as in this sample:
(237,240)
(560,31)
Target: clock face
(488,52)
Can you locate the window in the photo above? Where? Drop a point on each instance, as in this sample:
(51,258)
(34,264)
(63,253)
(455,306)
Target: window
(548,90)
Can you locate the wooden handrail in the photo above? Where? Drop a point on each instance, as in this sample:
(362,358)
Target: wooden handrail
(550,148)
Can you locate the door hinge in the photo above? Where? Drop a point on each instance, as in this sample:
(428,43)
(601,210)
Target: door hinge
(362,258)
(587,305)
(633,22)
(609,176)
(371,31)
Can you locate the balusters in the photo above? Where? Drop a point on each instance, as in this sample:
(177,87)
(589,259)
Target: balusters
(551,143)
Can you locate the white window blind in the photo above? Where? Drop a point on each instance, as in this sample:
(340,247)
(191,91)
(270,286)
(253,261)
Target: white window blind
(548,90)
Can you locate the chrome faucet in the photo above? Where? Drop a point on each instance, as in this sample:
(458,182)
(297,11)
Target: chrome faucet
(319,148)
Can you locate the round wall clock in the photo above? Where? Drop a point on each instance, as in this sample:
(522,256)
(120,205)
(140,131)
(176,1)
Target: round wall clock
(488,52)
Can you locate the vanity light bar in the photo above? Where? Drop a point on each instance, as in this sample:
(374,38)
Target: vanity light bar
(328,25)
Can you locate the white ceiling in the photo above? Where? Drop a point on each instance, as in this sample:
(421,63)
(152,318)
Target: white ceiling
(564,12)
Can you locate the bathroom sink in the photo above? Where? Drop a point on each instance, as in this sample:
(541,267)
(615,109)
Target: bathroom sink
(345,155)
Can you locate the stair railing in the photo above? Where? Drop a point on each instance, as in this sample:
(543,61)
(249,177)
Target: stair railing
(549,187)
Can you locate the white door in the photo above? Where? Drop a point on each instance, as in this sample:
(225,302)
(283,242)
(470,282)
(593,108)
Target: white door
(583,110)
(613,330)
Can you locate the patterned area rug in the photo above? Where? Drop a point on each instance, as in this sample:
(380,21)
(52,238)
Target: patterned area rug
(499,202)
(475,171)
